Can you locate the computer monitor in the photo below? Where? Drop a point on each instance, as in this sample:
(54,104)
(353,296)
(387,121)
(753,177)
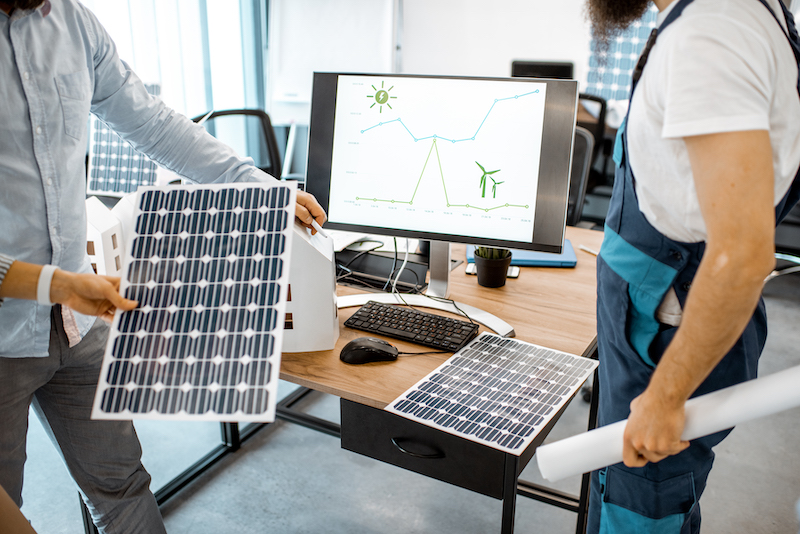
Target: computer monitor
(484,161)
(542,69)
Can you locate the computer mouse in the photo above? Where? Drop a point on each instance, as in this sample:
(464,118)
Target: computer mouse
(368,349)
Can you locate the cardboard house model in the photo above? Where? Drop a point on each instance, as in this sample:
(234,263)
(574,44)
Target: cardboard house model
(312,316)
(104,241)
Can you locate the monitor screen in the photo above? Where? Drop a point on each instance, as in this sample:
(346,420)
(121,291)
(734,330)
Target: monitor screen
(484,161)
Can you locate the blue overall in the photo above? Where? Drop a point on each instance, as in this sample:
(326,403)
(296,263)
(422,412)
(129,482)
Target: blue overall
(636,268)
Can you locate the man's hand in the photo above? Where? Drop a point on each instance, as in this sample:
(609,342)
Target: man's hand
(653,431)
(89,294)
(308,210)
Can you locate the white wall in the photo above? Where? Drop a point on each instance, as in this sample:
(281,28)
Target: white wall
(323,35)
(482,38)
(451,37)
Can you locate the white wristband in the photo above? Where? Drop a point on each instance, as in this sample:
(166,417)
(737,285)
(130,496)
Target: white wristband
(43,287)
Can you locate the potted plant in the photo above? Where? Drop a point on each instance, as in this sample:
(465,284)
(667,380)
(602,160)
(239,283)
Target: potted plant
(491,265)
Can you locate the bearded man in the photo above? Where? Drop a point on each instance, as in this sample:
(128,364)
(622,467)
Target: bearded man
(707,164)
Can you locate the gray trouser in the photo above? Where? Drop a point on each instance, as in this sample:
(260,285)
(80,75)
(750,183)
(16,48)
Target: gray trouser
(103,457)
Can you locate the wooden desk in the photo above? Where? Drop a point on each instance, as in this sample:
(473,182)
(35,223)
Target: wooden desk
(553,307)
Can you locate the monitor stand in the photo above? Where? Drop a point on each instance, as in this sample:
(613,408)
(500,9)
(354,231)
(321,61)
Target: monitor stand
(438,286)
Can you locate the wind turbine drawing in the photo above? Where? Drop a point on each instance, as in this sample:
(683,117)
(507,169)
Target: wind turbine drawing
(483,180)
(494,187)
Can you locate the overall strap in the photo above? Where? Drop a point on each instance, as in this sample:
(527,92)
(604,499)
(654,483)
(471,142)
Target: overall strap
(790,32)
(651,41)
(792,196)
(619,155)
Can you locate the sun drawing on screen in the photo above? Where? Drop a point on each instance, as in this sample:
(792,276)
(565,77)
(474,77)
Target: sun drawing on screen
(381,97)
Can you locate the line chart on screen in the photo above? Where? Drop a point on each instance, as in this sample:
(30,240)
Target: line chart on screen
(455,154)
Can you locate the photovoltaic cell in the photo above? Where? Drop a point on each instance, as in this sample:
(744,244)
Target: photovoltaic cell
(209,268)
(497,391)
(115,167)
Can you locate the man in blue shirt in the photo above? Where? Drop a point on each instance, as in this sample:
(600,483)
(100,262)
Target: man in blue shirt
(58,64)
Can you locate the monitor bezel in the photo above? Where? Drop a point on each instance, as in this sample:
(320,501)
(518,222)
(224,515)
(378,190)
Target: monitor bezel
(561,100)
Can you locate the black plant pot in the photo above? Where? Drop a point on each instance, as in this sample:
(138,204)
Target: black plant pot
(492,273)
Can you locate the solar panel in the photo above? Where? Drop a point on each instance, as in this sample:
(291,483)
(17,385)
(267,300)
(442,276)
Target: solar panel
(497,391)
(209,267)
(115,167)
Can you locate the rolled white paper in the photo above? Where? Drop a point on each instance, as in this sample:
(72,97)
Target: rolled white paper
(705,415)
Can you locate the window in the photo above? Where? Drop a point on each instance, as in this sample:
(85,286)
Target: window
(205,54)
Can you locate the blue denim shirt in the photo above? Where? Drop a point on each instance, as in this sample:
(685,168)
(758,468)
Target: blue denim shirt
(55,68)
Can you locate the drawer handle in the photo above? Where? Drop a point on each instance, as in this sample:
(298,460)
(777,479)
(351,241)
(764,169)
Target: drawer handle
(433,456)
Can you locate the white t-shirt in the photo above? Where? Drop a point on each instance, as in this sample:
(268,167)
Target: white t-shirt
(722,66)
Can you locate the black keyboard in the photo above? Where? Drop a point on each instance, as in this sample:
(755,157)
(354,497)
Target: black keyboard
(412,325)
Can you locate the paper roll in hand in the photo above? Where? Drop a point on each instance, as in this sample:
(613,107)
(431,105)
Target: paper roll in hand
(704,415)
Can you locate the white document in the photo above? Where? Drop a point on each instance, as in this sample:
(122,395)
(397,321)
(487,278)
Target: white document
(705,415)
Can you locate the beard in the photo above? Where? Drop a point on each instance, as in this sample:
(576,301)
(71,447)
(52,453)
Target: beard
(609,18)
(24,4)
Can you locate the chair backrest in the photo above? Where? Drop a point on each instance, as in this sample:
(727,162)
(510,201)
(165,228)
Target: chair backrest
(582,151)
(249,132)
(787,233)
(597,125)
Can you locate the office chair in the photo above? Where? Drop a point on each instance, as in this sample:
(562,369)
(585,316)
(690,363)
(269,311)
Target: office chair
(597,126)
(582,153)
(249,132)
(787,245)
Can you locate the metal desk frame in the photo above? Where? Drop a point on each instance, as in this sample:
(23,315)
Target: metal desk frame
(233,437)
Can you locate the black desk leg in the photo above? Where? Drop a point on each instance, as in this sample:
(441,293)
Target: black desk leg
(586,483)
(509,493)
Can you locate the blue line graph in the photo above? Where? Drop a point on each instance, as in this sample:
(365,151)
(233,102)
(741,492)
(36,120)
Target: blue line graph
(435,136)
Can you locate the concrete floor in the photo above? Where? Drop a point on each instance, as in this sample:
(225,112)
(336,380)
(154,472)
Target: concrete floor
(288,479)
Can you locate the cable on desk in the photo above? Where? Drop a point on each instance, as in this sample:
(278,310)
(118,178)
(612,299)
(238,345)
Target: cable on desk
(451,301)
(394,263)
(420,353)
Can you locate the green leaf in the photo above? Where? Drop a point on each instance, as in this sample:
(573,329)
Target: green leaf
(491,253)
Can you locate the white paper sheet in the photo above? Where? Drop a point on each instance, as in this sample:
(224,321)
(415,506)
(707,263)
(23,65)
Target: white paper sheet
(704,415)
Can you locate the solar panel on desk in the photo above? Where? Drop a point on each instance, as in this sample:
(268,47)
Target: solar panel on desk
(497,391)
(209,268)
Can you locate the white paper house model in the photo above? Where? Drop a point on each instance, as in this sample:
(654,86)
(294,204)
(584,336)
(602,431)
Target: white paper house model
(103,238)
(312,321)
(124,212)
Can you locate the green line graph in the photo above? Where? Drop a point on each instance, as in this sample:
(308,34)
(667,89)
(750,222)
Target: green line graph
(410,202)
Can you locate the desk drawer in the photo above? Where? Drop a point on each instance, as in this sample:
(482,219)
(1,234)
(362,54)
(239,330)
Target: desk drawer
(405,443)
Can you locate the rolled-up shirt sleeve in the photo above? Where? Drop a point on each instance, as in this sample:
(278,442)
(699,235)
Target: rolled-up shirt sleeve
(5,265)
